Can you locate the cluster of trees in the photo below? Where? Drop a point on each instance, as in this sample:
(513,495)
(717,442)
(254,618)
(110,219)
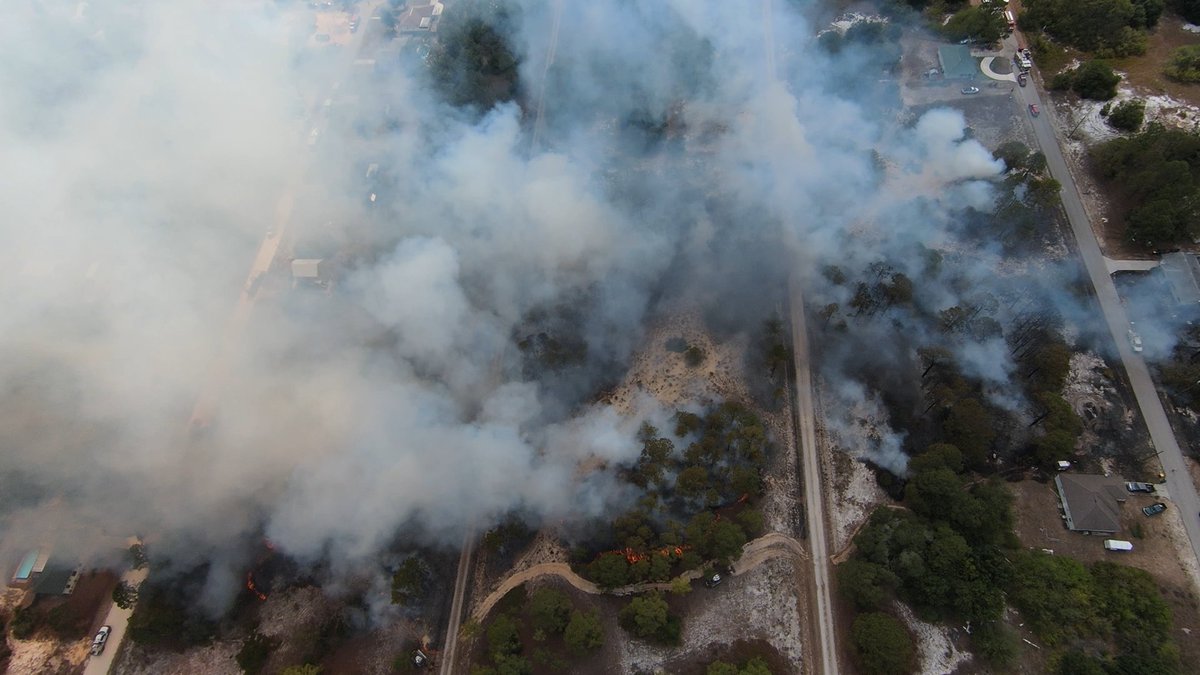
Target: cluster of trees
(1115,613)
(649,617)
(946,556)
(1045,362)
(984,22)
(473,63)
(63,620)
(165,618)
(878,40)
(882,644)
(1107,28)
(1093,80)
(1154,171)
(1189,9)
(752,666)
(408,582)
(1029,169)
(558,630)
(721,467)
(961,417)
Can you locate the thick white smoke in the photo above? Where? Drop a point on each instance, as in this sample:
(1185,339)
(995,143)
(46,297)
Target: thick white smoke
(147,145)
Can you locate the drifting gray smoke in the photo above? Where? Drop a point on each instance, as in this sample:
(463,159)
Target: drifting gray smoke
(146,147)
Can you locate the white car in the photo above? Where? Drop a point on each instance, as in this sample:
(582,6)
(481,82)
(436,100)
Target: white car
(100,640)
(1135,341)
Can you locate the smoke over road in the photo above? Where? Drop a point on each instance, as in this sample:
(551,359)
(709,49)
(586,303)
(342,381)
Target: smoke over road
(146,144)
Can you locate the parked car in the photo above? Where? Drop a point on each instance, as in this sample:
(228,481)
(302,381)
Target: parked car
(100,640)
(970,90)
(1154,509)
(1022,79)
(1140,487)
(713,580)
(1135,341)
(1033,109)
(1117,545)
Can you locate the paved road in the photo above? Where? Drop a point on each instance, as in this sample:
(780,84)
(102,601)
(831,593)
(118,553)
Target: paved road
(1179,484)
(119,619)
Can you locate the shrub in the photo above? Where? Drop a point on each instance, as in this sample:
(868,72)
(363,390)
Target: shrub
(1184,64)
(649,618)
(1095,80)
(549,609)
(584,633)
(255,653)
(1128,115)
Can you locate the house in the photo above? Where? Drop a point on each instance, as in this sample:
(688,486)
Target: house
(57,581)
(1182,272)
(420,18)
(1091,504)
(957,62)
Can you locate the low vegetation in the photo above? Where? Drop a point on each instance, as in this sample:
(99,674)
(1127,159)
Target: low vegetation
(1117,608)
(1184,64)
(752,666)
(255,653)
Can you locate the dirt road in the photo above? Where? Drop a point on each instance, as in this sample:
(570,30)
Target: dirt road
(754,553)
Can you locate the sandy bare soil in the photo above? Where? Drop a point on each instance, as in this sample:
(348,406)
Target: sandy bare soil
(760,604)
(936,651)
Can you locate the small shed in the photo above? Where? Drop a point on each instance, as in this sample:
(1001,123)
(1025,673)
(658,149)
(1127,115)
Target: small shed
(957,62)
(307,268)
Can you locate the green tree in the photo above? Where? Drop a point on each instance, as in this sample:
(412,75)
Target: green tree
(882,645)
(1128,115)
(503,637)
(513,664)
(124,595)
(408,581)
(751,522)
(983,23)
(865,584)
(970,427)
(549,610)
(1107,28)
(584,633)
(648,617)
(609,571)
(692,482)
(1095,80)
(937,456)
(1014,154)
(995,643)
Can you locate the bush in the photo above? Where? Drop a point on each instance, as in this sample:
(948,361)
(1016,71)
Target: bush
(255,653)
(1184,64)
(882,645)
(865,584)
(1128,115)
(995,643)
(1095,80)
(648,617)
(584,633)
(124,595)
(503,637)
(549,610)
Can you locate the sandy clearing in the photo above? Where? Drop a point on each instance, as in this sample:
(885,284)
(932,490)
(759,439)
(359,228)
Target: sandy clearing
(936,653)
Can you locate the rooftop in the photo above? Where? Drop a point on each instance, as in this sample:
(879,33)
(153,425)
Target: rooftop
(1091,503)
(1182,271)
(957,62)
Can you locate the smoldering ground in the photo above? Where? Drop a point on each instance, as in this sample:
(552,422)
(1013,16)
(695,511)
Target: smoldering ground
(147,145)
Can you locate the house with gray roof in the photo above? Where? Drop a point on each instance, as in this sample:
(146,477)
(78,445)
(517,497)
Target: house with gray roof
(1091,504)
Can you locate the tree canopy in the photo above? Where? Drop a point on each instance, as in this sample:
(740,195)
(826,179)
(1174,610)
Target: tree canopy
(882,645)
(1106,28)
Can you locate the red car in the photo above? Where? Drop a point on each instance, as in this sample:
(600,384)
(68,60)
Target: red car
(1033,109)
